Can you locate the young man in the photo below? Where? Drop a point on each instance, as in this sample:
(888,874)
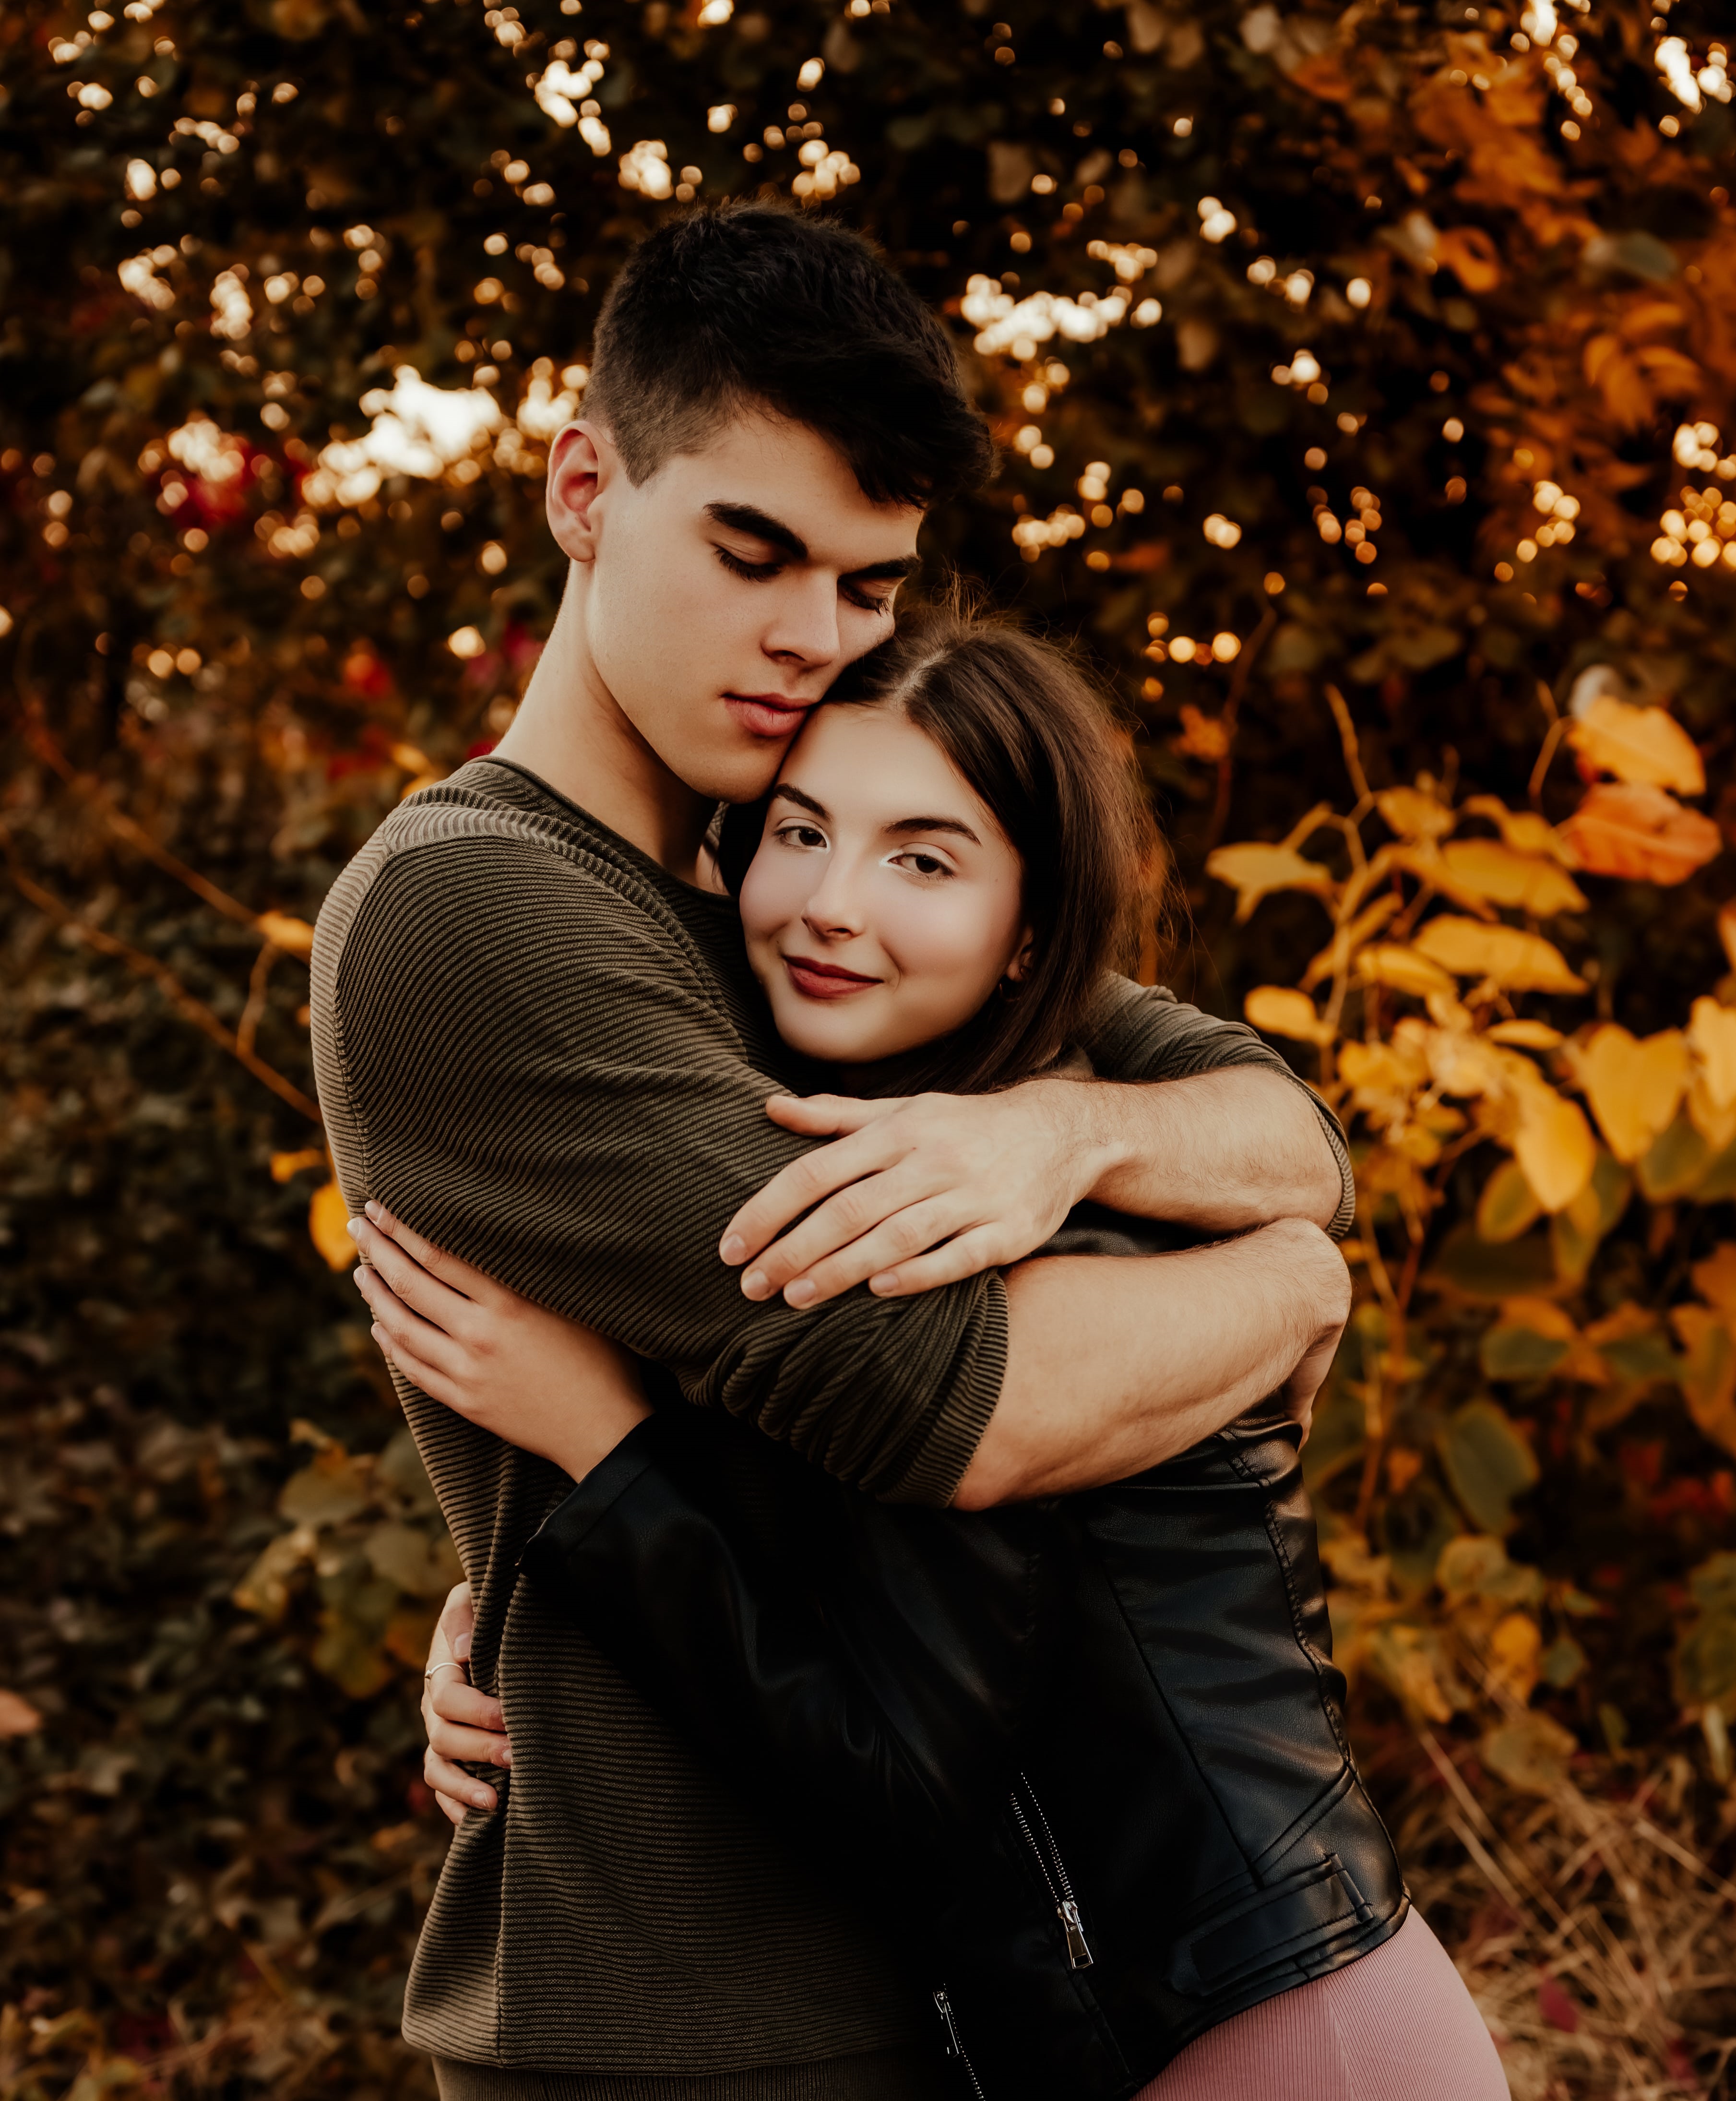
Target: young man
(537,1043)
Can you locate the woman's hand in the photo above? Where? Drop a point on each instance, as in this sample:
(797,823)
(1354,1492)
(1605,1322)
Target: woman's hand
(460,1722)
(539,1381)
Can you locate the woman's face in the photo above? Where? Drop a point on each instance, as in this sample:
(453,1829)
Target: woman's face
(885,904)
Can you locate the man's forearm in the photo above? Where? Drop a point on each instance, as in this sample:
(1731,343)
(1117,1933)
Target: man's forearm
(1116,1364)
(1222,1150)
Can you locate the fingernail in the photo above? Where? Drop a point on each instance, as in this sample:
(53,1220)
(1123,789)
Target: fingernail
(353,1227)
(801,1293)
(372,1209)
(734,1249)
(887,1281)
(755,1284)
(461,1648)
(505,1757)
(482,1799)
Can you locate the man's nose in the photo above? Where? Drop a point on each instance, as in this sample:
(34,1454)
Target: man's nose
(804,629)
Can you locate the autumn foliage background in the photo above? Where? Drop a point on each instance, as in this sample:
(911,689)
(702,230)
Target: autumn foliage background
(1369,385)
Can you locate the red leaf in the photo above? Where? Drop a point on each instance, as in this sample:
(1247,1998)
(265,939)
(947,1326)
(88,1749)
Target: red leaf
(1554,2006)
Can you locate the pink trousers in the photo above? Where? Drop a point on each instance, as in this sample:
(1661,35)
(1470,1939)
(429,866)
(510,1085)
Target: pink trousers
(1397,2026)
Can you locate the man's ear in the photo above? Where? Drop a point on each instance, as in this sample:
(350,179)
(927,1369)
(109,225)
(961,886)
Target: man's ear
(582,461)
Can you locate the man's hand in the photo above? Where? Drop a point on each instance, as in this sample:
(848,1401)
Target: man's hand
(460,1722)
(914,1194)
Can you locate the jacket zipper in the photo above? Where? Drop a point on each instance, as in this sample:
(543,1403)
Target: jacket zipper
(1055,1874)
(955,2048)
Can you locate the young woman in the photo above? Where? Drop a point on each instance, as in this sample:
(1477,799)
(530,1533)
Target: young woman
(1092,1751)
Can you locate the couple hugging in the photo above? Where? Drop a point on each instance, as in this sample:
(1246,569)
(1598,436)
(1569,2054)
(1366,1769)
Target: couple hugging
(860,1342)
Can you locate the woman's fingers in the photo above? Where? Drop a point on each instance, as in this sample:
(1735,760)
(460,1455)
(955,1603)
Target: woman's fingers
(458,1791)
(470,1747)
(450,1269)
(436,1301)
(409,1334)
(454,1699)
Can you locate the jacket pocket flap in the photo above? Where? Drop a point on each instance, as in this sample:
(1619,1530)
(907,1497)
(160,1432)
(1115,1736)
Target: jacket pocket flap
(1263,1926)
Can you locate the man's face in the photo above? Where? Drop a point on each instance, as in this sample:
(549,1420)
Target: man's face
(729,590)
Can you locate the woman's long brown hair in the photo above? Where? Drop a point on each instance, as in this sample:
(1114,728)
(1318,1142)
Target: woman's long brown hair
(1024,725)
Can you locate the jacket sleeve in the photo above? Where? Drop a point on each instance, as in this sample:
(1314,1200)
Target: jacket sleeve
(544,1080)
(878,1677)
(1144,1032)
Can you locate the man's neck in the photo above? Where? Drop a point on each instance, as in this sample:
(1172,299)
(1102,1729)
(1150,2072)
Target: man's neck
(571,732)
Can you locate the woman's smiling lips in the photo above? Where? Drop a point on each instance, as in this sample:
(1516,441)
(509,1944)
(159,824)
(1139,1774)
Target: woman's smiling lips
(817,980)
(768,714)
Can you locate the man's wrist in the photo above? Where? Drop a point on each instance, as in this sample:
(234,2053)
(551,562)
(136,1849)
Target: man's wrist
(1096,1144)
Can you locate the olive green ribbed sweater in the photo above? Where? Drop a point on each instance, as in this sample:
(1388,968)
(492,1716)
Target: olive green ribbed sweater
(537,1047)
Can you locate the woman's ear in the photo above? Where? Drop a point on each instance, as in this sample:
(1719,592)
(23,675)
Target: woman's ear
(1019,969)
(581,462)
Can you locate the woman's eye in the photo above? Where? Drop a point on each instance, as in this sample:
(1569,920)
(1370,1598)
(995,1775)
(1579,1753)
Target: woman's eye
(802,835)
(756,572)
(923,864)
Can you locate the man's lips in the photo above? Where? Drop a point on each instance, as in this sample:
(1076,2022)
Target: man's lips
(767,714)
(818,980)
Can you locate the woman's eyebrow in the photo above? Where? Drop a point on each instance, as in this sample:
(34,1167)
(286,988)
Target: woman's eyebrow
(784,793)
(908,825)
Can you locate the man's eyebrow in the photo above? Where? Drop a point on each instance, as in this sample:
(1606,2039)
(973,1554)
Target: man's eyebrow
(907,825)
(748,518)
(783,792)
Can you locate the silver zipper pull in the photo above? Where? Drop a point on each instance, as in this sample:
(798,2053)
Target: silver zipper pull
(1078,1952)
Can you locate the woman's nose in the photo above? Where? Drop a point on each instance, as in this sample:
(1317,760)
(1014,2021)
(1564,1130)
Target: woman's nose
(833,907)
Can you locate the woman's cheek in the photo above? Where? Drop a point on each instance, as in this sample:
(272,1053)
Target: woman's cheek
(947,938)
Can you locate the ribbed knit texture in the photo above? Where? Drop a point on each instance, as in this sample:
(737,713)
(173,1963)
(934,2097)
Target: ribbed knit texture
(537,1048)
(884,2076)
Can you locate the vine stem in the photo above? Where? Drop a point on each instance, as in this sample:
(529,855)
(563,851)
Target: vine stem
(1251,649)
(193,1010)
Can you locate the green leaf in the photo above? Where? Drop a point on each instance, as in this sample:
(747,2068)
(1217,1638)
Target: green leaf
(1476,1268)
(1561,1662)
(1678,1160)
(1517,1352)
(1530,1754)
(1487,1462)
(327,1492)
(1508,1205)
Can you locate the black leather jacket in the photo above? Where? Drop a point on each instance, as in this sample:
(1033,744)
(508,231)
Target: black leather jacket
(1092,1751)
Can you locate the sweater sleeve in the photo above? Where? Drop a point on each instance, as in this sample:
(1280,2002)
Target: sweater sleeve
(1144,1032)
(541,1078)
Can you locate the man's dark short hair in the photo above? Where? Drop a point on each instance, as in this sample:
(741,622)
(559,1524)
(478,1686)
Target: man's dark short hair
(756,304)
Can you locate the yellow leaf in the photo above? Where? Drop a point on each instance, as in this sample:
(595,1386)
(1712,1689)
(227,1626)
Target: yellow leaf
(1492,870)
(1643,744)
(1522,829)
(1543,1317)
(1508,1205)
(284,1164)
(1715,1279)
(295,937)
(1515,1647)
(1630,829)
(1554,1145)
(1708,1371)
(1414,814)
(328,1222)
(1336,956)
(1510,958)
(1203,736)
(1715,1121)
(1527,1035)
(1530,1753)
(1634,1088)
(1254,870)
(1712,1037)
(1282,1011)
(1403,969)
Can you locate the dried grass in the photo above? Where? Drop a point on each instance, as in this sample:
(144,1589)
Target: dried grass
(1595,1935)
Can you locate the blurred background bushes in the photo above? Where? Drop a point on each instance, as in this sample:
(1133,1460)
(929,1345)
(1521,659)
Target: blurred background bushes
(1369,385)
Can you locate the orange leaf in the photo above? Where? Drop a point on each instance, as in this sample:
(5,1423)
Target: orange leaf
(1403,969)
(1522,829)
(1472,257)
(1515,961)
(1203,736)
(285,1164)
(18,1718)
(1628,829)
(284,932)
(1634,1088)
(328,1226)
(1638,744)
(1712,1037)
(1414,814)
